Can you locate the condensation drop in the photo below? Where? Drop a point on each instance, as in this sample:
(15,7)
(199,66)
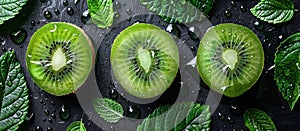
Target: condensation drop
(18,36)
(117,5)
(65,2)
(64,112)
(70,11)
(227,13)
(128,11)
(47,15)
(76,2)
(133,112)
(56,11)
(85,16)
(2,40)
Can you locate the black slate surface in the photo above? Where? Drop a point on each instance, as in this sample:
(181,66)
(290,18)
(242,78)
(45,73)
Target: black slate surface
(264,95)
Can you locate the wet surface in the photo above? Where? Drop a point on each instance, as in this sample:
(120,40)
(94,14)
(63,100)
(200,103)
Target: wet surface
(48,112)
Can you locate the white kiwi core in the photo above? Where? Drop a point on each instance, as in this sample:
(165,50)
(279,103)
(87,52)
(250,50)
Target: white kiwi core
(230,57)
(58,60)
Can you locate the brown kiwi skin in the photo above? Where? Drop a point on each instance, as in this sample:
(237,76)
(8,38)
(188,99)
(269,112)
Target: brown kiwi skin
(91,47)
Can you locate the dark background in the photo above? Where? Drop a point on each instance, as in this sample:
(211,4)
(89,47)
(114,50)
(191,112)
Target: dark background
(264,95)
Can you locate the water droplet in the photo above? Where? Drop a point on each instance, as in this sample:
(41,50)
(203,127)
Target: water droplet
(18,36)
(53,115)
(56,11)
(280,37)
(50,120)
(173,29)
(117,5)
(49,129)
(2,40)
(32,23)
(230,119)
(258,25)
(65,2)
(70,11)
(112,128)
(133,112)
(117,15)
(64,112)
(221,116)
(76,2)
(233,4)
(194,32)
(223,30)
(85,17)
(46,111)
(235,110)
(128,11)
(47,15)
(43,1)
(52,103)
(38,128)
(113,93)
(243,8)
(227,13)
(193,48)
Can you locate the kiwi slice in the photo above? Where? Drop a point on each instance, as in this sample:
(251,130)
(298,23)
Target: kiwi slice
(230,59)
(144,60)
(59,58)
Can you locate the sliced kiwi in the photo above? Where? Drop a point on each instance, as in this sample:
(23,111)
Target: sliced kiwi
(59,58)
(144,60)
(230,59)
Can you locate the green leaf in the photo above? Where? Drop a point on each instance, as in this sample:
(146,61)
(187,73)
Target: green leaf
(76,126)
(102,12)
(10,8)
(257,120)
(109,110)
(178,117)
(287,69)
(180,11)
(16,99)
(274,11)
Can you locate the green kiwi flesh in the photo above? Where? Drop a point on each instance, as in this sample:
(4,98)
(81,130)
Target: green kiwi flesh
(59,58)
(144,60)
(230,59)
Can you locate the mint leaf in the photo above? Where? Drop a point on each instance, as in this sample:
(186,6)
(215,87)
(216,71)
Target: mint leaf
(274,11)
(178,117)
(76,126)
(10,8)
(180,11)
(15,100)
(102,12)
(257,120)
(287,69)
(108,109)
